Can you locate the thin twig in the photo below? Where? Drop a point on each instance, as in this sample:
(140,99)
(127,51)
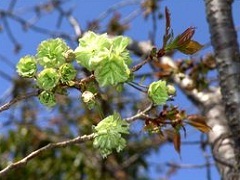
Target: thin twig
(137,87)
(5,76)
(35,28)
(12,5)
(116,7)
(129,161)
(134,14)
(139,65)
(17,99)
(72,21)
(9,32)
(38,152)
(7,61)
(154,32)
(139,114)
(189,166)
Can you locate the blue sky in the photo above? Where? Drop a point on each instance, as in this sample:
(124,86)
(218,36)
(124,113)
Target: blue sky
(184,13)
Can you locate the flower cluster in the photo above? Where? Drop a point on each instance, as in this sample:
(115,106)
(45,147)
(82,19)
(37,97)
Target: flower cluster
(54,57)
(107,57)
(108,134)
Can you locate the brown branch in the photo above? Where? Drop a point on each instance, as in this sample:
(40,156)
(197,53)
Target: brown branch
(189,166)
(24,23)
(140,114)
(24,161)
(140,65)
(72,21)
(116,7)
(17,99)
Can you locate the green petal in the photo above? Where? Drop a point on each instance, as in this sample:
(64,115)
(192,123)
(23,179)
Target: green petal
(91,49)
(120,43)
(112,71)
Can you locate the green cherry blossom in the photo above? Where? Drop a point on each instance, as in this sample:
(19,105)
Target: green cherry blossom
(108,134)
(91,49)
(51,53)
(47,79)
(27,66)
(158,92)
(67,72)
(47,98)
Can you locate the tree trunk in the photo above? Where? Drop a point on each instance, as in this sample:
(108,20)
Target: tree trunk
(224,42)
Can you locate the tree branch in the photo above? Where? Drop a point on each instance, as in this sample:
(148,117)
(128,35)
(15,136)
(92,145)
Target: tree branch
(226,47)
(140,114)
(24,161)
(189,166)
(15,100)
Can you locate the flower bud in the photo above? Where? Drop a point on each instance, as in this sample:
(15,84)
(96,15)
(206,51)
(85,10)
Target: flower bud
(171,90)
(89,99)
(69,55)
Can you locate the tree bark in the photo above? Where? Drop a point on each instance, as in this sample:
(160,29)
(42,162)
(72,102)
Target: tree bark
(224,42)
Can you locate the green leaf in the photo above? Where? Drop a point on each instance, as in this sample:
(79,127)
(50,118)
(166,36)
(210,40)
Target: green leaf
(112,71)
(158,92)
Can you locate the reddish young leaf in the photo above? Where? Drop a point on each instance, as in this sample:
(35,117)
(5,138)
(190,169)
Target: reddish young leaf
(177,141)
(199,123)
(168,32)
(168,21)
(190,48)
(181,41)
(184,38)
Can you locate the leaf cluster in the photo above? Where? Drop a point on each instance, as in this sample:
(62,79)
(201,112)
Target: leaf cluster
(173,118)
